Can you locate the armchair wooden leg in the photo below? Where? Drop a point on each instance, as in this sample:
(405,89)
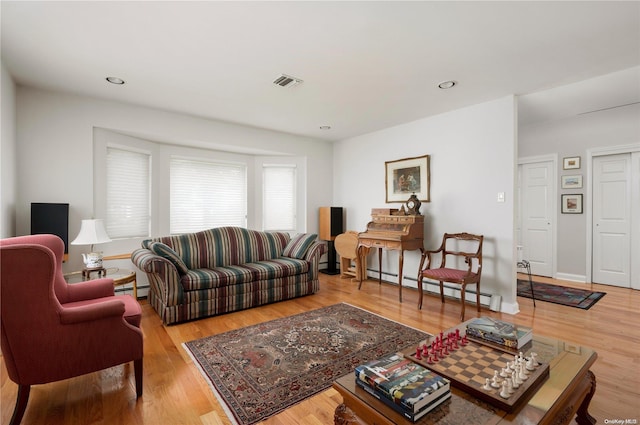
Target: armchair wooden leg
(137,366)
(442,292)
(478,296)
(420,291)
(21,404)
(462,301)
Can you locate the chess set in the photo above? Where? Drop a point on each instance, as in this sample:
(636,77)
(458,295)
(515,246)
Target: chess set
(501,378)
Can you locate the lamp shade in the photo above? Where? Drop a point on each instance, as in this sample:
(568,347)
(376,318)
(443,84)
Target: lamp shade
(91,232)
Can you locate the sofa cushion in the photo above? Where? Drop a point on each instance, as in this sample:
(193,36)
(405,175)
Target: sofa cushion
(218,277)
(277,268)
(165,251)
(225,246)
(299,245)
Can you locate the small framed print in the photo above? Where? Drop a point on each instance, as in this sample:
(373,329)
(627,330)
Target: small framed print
(572,182)
(571,163)
(572,204)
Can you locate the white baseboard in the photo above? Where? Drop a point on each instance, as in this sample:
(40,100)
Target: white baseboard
(572,277)
(510,308)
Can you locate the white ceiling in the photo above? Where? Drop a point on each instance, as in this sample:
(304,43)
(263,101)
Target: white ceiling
(365,65)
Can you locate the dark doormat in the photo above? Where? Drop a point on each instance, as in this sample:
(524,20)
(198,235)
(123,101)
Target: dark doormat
(556,294)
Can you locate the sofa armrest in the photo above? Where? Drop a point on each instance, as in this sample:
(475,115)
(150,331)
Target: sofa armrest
(315,251)
(162,275)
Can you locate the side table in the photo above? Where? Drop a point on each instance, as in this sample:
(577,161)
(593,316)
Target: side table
(120,277)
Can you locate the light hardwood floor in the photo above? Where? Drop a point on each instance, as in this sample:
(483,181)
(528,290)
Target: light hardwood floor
(176,393)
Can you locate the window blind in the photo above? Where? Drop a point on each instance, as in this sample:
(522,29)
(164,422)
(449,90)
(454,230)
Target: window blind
(128,192)
(205,194)
(279,197)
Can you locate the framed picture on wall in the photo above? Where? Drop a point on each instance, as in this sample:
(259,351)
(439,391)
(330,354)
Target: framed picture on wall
(572,182)
(406,176)
(572,204)
(571,163)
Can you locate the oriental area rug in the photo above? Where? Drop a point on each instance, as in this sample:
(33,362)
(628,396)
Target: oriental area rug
(260,370)
(556,294)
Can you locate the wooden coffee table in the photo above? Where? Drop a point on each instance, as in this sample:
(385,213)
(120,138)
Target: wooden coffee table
(566,393)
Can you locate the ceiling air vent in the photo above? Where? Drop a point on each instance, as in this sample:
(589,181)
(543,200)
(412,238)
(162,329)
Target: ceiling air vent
(286,81)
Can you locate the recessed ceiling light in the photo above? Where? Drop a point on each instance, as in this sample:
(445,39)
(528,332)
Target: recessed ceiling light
(447,84)
(325,127)
(115,80)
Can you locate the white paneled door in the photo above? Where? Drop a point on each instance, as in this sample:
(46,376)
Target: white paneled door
(612,198)
(536,203)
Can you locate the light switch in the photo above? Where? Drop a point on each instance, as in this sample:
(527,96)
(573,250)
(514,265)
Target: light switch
(500,196)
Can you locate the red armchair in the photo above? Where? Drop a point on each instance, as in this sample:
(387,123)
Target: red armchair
(52,330)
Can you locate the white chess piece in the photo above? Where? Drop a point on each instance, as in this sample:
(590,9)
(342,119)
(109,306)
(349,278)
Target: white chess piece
(518,380)
(530,365)
(505,391)
(487,386)
(515,382)
(495,382)
(521,373)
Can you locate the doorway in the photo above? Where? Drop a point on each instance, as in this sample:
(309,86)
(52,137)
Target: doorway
(536,217)
(614,224)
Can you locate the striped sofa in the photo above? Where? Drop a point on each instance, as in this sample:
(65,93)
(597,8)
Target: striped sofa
(226,269)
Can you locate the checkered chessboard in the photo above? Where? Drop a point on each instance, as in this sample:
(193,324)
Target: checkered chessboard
(469,366)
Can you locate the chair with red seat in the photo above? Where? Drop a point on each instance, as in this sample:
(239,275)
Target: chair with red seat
(460,264)
(52,330)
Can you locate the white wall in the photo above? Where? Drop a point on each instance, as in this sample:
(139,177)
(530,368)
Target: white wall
(573,136)
(473,152)
(7,155)
(55,152)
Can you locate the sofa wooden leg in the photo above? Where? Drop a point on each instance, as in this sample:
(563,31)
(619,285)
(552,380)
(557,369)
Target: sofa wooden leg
(21,404)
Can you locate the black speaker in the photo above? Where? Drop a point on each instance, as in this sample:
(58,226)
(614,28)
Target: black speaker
(331,225)
(52,219)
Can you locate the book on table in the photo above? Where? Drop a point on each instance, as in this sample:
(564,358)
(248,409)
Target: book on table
(400,409)
(403,381)
(499,332)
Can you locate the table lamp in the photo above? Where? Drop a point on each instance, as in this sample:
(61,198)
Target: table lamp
(92,232)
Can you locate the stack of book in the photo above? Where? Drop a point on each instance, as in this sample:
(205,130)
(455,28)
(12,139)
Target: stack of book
(499,333)
(405,386)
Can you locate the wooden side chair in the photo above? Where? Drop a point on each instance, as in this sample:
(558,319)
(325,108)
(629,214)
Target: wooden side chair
(455,248)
